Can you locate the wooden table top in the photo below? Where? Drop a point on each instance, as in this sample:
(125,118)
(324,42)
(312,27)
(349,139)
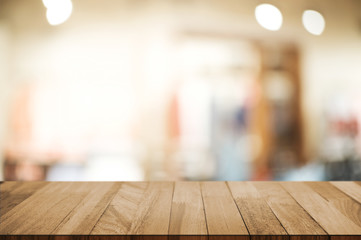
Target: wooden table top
(180,210)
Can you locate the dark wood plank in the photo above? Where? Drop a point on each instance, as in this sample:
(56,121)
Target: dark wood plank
(310,236)
(297,222)
(138,208)
(324,212)
(187,217)
(80,237)
(224,221)
(43,237)
(43,211)
(345,237)
(258,216)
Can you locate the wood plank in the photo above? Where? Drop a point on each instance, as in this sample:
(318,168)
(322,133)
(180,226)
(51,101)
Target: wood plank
(43,237)
(79,237)
(224,221)
(43,211)
(126,237)
(9,186)
(82,219)
(338,199)
(297,222)
(184,210)
(13,193)
(327,215)
(109,237)
(353,189)
(258,216)
(138,208)
(153,215)
(327,190)
(187,217)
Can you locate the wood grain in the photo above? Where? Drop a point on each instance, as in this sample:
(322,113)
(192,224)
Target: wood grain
(138,208)
(188,219)
(339,200)
(325,213)
(13,193)
(352,189)
(297,222)
(43,211)
(82,218)
(258,216)
(43,237)
(224,221)
(180,210)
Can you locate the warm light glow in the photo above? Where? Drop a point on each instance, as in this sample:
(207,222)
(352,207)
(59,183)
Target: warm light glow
(48,3)
(313,21)
(58,11)
(269,17)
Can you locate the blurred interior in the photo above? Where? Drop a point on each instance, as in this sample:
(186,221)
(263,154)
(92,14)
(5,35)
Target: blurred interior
(129,90)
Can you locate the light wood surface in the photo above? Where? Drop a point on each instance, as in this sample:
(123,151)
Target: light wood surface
(180,210)
(222,214)
(187,217)
(296,221)
(334,222)
(258,216)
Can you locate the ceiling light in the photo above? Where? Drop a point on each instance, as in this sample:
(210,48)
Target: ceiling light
(313,22)
(269,16)
(58,11)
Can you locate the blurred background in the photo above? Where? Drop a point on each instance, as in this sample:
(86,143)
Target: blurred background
(180,90)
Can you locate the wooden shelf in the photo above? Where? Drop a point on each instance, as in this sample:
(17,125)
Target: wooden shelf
(180,210)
